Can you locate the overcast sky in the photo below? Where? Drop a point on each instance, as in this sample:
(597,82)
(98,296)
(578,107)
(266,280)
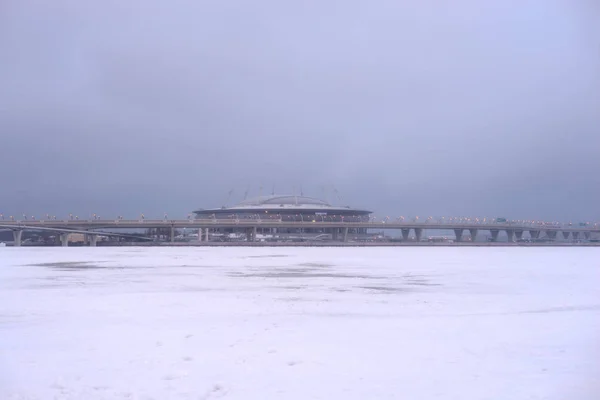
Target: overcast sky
(406,107)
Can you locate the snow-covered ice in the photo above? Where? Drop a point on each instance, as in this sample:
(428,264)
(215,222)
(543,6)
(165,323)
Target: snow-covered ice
(300,323)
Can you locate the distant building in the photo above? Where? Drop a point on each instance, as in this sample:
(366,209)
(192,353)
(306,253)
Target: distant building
(287,208)
(76,238)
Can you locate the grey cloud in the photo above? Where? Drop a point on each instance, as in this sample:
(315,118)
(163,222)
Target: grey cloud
(407,108)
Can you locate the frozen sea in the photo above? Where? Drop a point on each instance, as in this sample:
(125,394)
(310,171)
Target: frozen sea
(300,323)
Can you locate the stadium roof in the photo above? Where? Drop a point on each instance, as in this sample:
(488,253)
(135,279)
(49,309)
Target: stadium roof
(284,202)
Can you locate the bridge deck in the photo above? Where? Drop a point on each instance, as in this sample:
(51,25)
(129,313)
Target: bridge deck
(274,223)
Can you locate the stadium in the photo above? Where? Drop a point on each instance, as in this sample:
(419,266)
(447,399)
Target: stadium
(287,208)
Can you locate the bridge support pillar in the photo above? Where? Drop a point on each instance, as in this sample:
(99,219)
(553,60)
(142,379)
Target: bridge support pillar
(587,235)
(17,235)
(64,239)
(206,237)
(405,235)
(93,240)
(519,234)
(251,234)
(566,234)
(494,233)
(458,233)
(200,234)
(172,235)
(551,235)
(510,234)
(418,233)
(473,233)
(576,235)
(345,234)
(335,234)
(534,234)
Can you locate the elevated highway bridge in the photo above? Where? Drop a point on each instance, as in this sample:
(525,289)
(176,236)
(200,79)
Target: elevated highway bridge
(339,230)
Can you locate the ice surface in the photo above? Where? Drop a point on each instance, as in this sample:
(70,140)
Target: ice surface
(300,323)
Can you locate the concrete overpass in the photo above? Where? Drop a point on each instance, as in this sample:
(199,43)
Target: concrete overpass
(91,237)
(339,230)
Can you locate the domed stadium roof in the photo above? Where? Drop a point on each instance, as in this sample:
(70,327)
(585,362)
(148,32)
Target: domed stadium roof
(286,200)
(283,204)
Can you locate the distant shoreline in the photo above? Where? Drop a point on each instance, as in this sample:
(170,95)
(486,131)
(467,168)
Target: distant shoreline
(326,244)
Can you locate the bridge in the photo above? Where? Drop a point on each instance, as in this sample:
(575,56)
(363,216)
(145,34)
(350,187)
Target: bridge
(90,237)
(339,230)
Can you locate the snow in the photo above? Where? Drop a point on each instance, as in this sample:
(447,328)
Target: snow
(299,323)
